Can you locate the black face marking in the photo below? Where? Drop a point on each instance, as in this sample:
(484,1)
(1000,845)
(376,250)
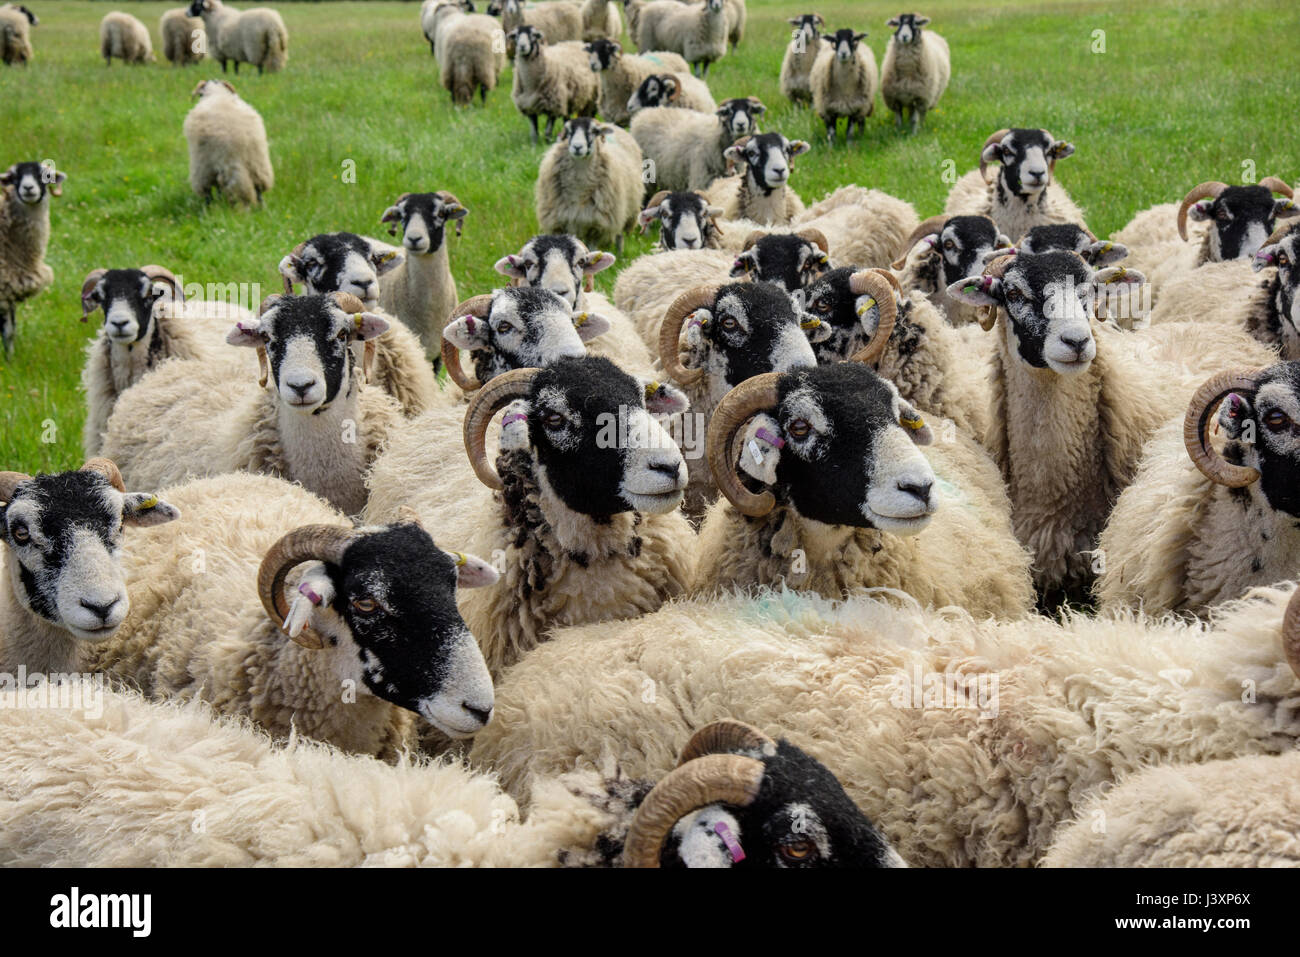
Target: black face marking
(1024,151)
(907,29)
(315,319)
(762,154)
(1056,236)
(520,331)
(962,244)
(327,264)
(654,90)
(605,50)
(29,181)
(681,209)
(1277,441)
(844,42)
(431,210)
(1235,212)
(740,115)
(130,290)
(1044,274)
(750,328)
(830,300)
(785,259)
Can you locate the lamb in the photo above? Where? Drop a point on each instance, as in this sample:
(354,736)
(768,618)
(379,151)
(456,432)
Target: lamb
(560,21)
(699,32)
(843,82)
(1198,527)
(25,189)
(681,90)
(600,21)
(183,36)
(123,36)
(762,191)
(916,69)
(227,143)
(550,80)
(621,73)
(581,511)
(1023,194)
(685,218)
(687,148)
(146,321)
(256,36)
(945,249)
(472,55)
(16,22)
(800,54)
(589,183)
(420,290)
(317,424)
(985,738)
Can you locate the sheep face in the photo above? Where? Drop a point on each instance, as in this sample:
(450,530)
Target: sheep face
(306,339)
(1028,158)
(907,27)
(388,608)
(584,135)
(785,259)
(558,264)
(767,158)
(685,220)
(1285,255)
(739,116)
(524,328)
(659,89)
(1242,218)
(713,6)
(965,243)
(807,28)
(339,262)
(1069,238)
(32,182)
(31,17)
(751,328)
(602,54)
(1265,427)
(528,40)
(64,533)
(849,319)
(422,219)
(844,43)
(591,431)
(129,299)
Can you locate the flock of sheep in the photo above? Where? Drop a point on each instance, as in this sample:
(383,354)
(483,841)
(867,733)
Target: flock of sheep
(831,537)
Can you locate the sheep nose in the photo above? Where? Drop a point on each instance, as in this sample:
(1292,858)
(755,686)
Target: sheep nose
(481,715)
(918,490)
(119,325)
(101,610)
(363,285)
(1078,344)
(302,388)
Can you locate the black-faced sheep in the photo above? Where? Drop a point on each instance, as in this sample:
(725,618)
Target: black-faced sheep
(420,290)
(680,90)
(553,80)
(943,250)
(800,55)
(761,191)
(686,148)
(916,69)
(621,73)
(843,82)
(256,36)
(227,144)
(685,218)
(589,183)
(25,191)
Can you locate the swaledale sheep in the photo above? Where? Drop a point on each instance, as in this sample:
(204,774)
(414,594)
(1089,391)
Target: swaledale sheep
(589,183)
(800,55)
(1024,193)
(551,80)
(737,17)
(63,582)
(687,148)
(849,502)
(761,191)
(601,21)
(915,71)
(560,21)
(843,82)
(698,31)
(943,250)
(1243,812)
(316,424)
(227,144)
(1198,527)
(146,320)
(256,36)
(984,739)
(420,290)
(1272,313)
(16,22)
(621,73)
(123,36)
(471,55)
(581,510)
(792,261)
(25,189)
(685,218)
(681,90)
(183,37)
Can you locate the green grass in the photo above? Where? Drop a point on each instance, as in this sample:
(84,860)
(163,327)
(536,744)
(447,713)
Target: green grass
(1184,92)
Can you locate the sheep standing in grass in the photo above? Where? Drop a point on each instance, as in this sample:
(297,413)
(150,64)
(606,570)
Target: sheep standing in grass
(25,189)
(421,291)
(843,82)
(589,183)
(16,22)
(697,31)
(227,143)
(601,20)
(686,147)
(183,38)
(473,54)
(621,73)
(800,55)
(123,36)
(685,218)
(256,36)
(761,191)
(916,69)
(551,80)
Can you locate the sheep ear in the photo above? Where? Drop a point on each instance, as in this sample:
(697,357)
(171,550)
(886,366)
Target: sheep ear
(1285,208)
(472,571)
(145,508)
(1202,211)
(799,147)
(1060,150)
(385,259)
(828,39)
(590,325)
(892,22)
(914,425)
(56,183)
(859,37)
(664,399)
(1103,252)
(291,268)
(921,21)
(760,448)
(1234,413)
(992,153)
(247,334)
(596,261)
(977,291)
(315,590)
(369,325)
(756,107)
(393,214)
(714,212)
(1267,256)
(7,177)
(647,216)
(989,256)
(734,154)
(794,22)
(467,332)
(745,263)
(509,266)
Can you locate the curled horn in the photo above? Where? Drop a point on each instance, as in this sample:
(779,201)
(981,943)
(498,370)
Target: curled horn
(754,236)
(739,144)
(676,93)
(504,388)
(478,307)
(87,287)
(1278,234)
(348,302)
(1210,189)
(263,365)
(714,778)
(725,737)
(931,227)
(873,282)
(163,274)
(1196,424)
(295,252)
(310,543)
(670,331)
(354,307)
(108,469)
(988,315)
(1291,632)
(655,200)
(995,138)
(754,395)
(10,481)
(450,200)
(1276,185)
(816,237)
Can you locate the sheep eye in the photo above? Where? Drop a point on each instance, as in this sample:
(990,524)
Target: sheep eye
(342,336)
(1283,259)
(949,244)
(1014,295)
(1276,421)
(798,850)
(20,533)
(503,327)
(729,324)
(1221,215)
(553,421)
(823,305)
(364,605)
(799,429)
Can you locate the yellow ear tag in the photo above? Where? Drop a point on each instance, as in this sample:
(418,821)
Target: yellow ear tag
(580,319)
(387,257)
(914,424)
(1107,248)
(461,559)
(651,389)
(862,309)
(150,502)
(810,324)
(1118,277)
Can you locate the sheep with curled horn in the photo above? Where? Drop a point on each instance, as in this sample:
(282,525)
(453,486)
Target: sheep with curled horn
(789,260)
(944,249)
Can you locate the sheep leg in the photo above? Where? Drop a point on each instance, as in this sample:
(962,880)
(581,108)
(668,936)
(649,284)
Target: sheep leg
(236,62)
(618,246)
(533,120)
(550,128)
(8,319)
(259,69)
(223,65)
(898,118)
(482,93)
(830,130)
(918,117)
(704,69)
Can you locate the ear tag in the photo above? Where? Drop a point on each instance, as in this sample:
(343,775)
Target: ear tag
(512,418)
(306,591)
(469,324)
(461,559)
(813,323)
(149,503)
(1106,247)
(1287,205)
(651,390)
(1267,259)
(733,846)
(915,424)
(695,320)
(388,256)
(1118,277)
(866,307)
(356,321)
(580,319)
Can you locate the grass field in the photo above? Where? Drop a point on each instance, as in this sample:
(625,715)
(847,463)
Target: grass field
(1167,95)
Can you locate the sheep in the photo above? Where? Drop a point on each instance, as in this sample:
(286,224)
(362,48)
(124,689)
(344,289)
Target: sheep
(699,32)
(687,148)
(761,192)
(865,227)
(472,55)
(792,261)
(843,82)
(943,250)
(316,425)
(1238,812)
(600,21)
(621,73)
(985,738)
(16,22)
(420,290)
(123,36)
(1271,313)
(685,218)
(1024,193)
(550,79)
(146,320)
(435,15)
(183,38)
(800,54)
(360,266)
(681,90)
(25,189)
(560,21)
(580,512)
(737,17)
(227,144)
(63,584)
(589,183)
(916,69)
(256,36)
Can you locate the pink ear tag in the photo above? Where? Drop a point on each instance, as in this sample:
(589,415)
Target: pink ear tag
(733,845)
